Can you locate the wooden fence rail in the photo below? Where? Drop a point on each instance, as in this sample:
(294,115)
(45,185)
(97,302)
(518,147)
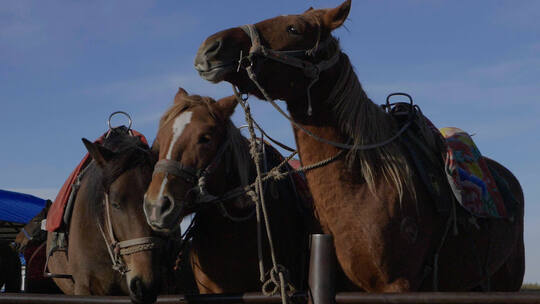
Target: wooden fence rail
(340,298)
(321,280)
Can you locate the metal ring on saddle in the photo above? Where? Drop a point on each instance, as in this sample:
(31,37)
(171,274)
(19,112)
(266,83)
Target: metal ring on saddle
(388,104)
(116,113)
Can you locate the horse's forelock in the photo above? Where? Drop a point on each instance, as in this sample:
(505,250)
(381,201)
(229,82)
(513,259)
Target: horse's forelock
(184,103)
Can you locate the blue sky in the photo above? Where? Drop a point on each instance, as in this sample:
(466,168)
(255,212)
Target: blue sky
(66,65)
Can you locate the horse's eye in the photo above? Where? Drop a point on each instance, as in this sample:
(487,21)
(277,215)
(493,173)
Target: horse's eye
(115,204)
(292,30)
(204,139)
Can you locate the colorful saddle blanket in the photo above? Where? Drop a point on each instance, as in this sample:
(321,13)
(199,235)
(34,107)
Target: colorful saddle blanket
(473,185)
(56,212)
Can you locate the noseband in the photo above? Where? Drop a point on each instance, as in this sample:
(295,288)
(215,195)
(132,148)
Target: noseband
(292,58)
(26,234)
(117,249)
(196,177)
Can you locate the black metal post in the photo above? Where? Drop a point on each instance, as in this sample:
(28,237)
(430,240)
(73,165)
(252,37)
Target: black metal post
(322,269)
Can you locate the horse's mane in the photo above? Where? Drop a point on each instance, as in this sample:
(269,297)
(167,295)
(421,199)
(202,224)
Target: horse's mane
(365,123)
(130,152)
(237,155)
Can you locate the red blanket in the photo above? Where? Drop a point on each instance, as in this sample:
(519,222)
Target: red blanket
(56,212)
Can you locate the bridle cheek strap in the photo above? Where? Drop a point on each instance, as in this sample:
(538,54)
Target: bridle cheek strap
(192,175)
(118,249)
(26,234)
(176,168)
(311,70)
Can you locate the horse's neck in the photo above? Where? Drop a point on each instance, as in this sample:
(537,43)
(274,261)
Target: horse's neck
(342,113)
(351,119)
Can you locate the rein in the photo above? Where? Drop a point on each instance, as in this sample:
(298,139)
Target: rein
(117,249)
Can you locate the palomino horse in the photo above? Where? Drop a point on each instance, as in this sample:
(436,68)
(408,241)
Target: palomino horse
(202,157)
(364,199)
(31,242)
(10,268)
(108,228)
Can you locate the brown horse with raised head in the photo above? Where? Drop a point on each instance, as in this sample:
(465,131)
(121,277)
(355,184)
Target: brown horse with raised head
(108,228)
(387,234)
(202,158)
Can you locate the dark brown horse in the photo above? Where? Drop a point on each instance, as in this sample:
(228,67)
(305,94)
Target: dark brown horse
(372,199)
(10,268)
(32,233)
(202,157)
(31,242)
(108,213)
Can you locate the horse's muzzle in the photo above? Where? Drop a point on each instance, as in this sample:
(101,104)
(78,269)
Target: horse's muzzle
(162,215)
(140,293)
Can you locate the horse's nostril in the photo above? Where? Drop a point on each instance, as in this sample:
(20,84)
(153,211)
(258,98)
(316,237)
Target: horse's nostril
(136,288)
(141,293)
(214,48)
(165,204)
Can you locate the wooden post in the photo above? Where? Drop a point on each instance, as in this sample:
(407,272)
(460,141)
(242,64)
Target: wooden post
(322,269)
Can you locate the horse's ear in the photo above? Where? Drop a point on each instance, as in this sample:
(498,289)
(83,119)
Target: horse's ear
(335,17)
(226,106)
(309,9)
(99,153)
(180,94)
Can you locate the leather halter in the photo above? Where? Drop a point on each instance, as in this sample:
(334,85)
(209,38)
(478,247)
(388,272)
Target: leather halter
(197,177)
(311,70)
(117,249)
(26,234)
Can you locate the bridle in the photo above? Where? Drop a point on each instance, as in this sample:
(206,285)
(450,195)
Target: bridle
(311,70)
(116,248)
(26,234)
(292,58)
(196,177)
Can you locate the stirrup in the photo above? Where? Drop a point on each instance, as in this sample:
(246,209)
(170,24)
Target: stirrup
(54,249)
(51,275)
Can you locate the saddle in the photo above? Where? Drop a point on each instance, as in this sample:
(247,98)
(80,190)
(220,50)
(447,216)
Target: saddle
(451,166)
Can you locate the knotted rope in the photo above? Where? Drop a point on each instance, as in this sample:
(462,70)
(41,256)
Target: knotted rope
(278,274)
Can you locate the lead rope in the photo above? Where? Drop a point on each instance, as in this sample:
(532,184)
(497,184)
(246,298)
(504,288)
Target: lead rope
(277,275)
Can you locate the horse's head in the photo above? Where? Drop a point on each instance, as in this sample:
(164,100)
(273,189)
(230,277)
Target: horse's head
(32,232)
(190,142)
(125,164)
(276,48)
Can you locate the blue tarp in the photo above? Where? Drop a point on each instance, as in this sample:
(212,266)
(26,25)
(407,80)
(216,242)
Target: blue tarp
(19,207)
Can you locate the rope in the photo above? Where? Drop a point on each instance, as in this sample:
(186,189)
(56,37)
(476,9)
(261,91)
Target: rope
(259,200)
